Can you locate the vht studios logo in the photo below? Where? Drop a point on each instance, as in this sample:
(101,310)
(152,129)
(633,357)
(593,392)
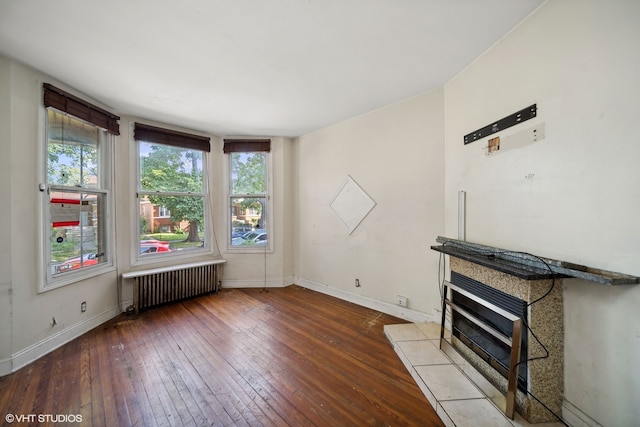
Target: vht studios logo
(43,418)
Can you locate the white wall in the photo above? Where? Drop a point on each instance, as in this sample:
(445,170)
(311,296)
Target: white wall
(271,268)
(396,155)
(5,217)
(572,196)
(26,332)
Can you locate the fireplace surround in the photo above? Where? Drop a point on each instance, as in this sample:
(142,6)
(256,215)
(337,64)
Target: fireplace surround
(538,283)
(542,377)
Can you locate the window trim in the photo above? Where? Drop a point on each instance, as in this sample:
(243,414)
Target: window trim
(244,147)
(46,280)
(202,145)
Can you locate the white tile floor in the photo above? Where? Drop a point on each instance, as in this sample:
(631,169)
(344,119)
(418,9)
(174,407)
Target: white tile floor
(458,401)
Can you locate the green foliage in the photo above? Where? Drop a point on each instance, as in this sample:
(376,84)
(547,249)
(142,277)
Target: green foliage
(169,237)
(63,250)
(172,169)
(144,224)
(248,173)
(72,150)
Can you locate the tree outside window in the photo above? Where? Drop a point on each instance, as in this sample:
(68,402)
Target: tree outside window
(172,183)
(77,195)
(248,199)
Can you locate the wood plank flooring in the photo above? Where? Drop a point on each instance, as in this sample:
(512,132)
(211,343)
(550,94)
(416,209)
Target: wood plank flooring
(242,357)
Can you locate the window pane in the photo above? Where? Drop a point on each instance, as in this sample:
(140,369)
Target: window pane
(77,230)
(170,222)
(247,219)
(248,173)
(170,169)
(181,230)
(72,151)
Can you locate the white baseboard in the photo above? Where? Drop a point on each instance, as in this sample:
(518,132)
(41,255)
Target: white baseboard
(258,283)
(384,307)
(575,417)
(47,345)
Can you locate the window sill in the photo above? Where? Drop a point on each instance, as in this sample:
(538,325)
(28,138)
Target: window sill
(138,273)
(173,257)
(249,250)
(52,283)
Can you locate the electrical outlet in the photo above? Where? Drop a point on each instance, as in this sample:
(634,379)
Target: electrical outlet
(401,301)
(83,306)
(357,283)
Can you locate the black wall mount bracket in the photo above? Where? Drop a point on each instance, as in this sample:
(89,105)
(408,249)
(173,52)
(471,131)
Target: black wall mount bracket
(511,120)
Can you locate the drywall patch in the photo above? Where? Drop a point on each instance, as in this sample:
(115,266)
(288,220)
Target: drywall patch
(517,140)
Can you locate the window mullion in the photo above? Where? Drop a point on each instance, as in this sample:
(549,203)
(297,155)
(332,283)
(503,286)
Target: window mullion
(250,195)
(169,193)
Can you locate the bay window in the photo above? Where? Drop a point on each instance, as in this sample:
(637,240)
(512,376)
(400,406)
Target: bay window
(171,192)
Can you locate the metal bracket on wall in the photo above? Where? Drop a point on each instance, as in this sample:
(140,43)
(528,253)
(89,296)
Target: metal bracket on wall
(511,120)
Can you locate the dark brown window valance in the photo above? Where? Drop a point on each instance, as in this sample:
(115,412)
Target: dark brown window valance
(246,145)
(77,107)
(158,135)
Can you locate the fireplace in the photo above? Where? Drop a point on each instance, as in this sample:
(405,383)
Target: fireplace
(490,349)
(518,291)
(521,287)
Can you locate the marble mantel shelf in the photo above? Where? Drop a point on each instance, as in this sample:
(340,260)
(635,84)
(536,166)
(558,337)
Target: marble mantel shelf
(525,272)
(526,266)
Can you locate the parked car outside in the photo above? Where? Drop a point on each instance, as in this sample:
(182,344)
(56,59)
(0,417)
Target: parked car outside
(146,247)
(153,246)
(76,262)
(255,238)
(240,231)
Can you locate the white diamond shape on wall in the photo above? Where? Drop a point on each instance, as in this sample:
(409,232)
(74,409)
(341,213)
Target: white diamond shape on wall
(351,204)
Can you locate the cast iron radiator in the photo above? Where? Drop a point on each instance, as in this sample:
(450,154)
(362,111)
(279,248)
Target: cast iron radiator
(165,285)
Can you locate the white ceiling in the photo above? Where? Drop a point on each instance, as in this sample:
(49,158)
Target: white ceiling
(253,67)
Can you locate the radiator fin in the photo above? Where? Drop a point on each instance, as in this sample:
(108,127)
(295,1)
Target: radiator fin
(169,286)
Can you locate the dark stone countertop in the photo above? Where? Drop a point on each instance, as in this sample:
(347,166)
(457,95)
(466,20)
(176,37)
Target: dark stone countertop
(493,261)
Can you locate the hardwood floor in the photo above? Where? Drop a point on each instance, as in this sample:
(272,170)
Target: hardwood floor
(250,357)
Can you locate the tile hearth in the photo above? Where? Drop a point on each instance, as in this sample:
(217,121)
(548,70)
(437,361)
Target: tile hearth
(458,400)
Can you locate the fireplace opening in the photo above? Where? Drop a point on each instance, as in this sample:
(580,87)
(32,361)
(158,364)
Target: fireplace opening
(486,346)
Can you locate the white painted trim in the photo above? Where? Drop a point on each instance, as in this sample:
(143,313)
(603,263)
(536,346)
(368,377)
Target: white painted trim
(138,273)
(575,417)
(278,282)
(254,283)
(47,345)
(385,307)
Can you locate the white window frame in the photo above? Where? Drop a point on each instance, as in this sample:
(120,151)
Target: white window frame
(268,248)
(164,257)
(162,212)
(48,281)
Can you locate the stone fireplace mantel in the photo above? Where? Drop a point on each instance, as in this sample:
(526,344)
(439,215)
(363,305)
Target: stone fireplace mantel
(528,266)
(538,282)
